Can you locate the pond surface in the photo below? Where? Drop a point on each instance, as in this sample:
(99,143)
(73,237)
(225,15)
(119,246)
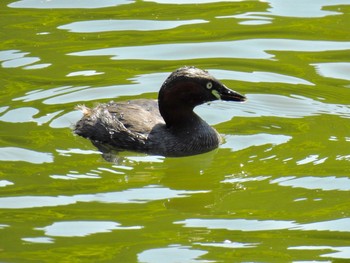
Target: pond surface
(277,189)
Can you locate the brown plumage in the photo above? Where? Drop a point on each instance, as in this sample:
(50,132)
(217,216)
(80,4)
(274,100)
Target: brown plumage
(168,127)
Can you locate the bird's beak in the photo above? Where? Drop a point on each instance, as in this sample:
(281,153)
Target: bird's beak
(224,93)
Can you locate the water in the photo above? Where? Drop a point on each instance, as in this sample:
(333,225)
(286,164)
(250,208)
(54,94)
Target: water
(277,189)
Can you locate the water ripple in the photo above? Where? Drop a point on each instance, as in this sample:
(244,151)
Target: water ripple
(17,58)
(82,228)
(259,105)
(182,2)
(237,224)
(329,183)
(172,254)
(43,240)
(341,252)
(137,195)
(338,225)
(26,114)
(39,4)
(4,183)
(228,244)
(96,26)
(145,83)
(24,155)
(336,70)
(240,142)
(288,8)
(301,8)
(248,48)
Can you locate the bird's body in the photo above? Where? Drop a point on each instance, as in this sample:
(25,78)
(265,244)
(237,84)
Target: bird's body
(168,127)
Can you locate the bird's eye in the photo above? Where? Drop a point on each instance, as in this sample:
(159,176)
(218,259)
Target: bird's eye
(209,85)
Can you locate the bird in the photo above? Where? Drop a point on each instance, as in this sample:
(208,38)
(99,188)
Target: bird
(168,126)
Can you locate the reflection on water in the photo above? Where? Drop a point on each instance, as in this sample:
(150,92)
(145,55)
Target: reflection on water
(240,142)
(41,94)
(337,70)
(338,225)
(84,73)
(3,226)
(172,254)
(4,183)
(275,191)
(39,4)
(16,58)
(341,252)
(258,77)
(228,244)
(288,8)
(238,224)
(144,84)
(300,8)
(66,120)
(329,183)
(120,25)
(138,195)
(249,49)
(44,240)
(19,154)
(19,115)
(259,105)
(314,158)
(82,228)
(26,114)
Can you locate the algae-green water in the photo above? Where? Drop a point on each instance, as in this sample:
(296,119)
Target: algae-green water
(276,190)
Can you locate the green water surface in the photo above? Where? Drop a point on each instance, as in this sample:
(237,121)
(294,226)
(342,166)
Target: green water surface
(277,189)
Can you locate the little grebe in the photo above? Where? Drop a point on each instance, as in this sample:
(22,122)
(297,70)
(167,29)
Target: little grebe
(169,127)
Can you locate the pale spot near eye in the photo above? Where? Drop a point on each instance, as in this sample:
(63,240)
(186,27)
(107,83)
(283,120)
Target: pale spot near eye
(216,94)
